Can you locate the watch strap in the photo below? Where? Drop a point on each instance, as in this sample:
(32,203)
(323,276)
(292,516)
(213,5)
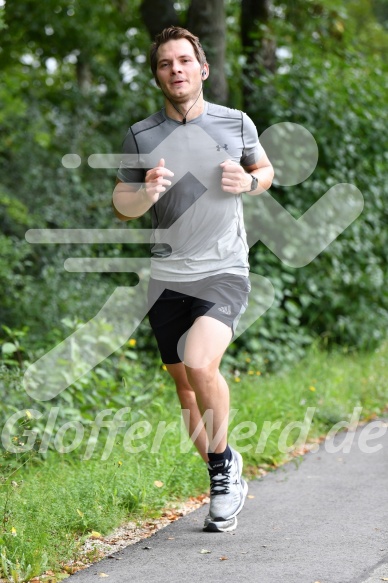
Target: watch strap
(254,183)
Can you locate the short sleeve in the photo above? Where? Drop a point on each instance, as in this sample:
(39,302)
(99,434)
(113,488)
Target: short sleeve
(130,169)
(252,149)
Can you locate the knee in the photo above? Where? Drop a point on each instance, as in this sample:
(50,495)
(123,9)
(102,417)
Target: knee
(185,394)
(201,377)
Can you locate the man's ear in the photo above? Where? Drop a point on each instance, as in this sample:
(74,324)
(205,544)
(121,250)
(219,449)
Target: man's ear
(205,71)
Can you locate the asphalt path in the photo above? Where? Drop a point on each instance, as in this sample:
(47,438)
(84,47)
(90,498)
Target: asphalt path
(323,519)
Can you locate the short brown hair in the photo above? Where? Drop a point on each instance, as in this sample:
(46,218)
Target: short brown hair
(175,33)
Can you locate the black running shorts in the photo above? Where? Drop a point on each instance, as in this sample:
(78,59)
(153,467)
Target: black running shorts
(174,306)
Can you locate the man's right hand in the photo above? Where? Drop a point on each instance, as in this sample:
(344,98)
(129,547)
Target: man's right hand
(156,181)
(131,203)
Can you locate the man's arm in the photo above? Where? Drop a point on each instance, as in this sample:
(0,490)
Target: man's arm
(263,171)
(131,203)
(125,200)
(237,179)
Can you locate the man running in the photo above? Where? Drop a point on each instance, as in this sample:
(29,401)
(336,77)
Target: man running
(199,281)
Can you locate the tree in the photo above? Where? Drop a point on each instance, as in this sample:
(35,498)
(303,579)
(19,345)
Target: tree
(207,20)
(158,14)
(257,44)
(255,13)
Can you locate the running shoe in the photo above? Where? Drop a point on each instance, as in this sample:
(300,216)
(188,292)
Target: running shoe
(228,491)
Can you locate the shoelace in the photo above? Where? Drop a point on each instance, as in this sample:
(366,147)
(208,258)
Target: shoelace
(219,480)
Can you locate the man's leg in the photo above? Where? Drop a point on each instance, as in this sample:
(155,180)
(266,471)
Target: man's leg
(206,342)
(188,401)
(201,387)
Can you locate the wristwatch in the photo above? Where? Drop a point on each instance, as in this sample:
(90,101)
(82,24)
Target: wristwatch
(254,183)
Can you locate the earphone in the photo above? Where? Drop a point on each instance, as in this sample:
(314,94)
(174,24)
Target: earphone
(203,73)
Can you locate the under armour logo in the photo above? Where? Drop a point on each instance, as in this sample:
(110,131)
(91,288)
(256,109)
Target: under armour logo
(225,147)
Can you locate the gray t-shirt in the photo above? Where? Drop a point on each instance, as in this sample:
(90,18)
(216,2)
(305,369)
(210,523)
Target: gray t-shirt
(198,229)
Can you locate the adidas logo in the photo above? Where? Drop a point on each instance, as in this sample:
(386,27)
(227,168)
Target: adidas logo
(225,310)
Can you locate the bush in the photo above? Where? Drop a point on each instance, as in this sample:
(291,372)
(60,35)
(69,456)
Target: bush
(342,295)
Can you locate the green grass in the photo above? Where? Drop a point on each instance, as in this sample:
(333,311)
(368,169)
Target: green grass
(50,504)
(332,384)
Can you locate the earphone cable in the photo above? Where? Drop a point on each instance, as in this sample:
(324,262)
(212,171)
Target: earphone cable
(184,116)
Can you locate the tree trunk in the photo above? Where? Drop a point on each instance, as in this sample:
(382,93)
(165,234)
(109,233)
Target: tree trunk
(84,75)
(258,48)
(158,14)
(207,20)
(253,13)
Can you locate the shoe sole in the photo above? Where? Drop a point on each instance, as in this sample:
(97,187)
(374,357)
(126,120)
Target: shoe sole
(220,525)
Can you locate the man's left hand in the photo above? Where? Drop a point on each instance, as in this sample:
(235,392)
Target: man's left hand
(234,178)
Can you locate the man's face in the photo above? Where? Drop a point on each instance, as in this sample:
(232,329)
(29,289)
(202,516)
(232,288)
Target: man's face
(178,70)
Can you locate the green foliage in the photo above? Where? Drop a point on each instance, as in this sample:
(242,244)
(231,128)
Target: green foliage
(121,381)
(2,25)
(49,108)
(75,77)
(19,571)
(342,294)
